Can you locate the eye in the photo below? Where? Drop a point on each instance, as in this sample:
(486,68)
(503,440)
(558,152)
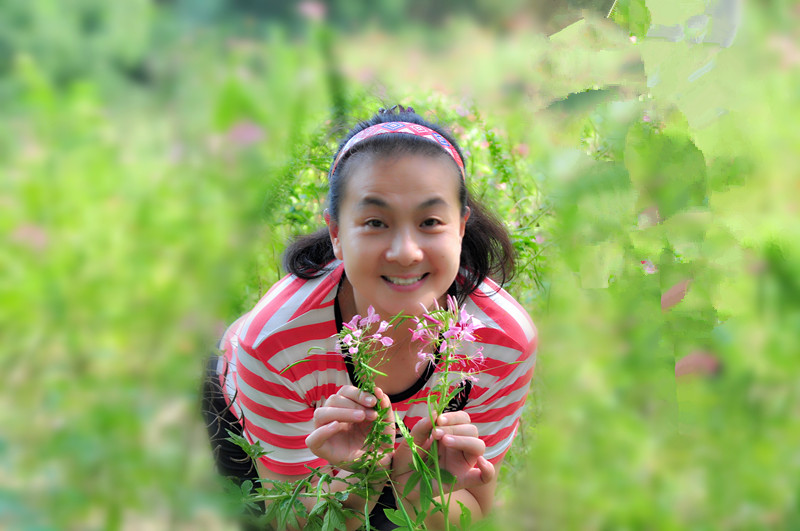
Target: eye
(374,223)
(431,222)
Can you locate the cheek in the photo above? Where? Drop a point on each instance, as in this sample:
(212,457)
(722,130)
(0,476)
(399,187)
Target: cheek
(450,255)
(358,252)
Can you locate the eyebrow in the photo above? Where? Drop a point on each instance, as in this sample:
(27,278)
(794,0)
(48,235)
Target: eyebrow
(380,203)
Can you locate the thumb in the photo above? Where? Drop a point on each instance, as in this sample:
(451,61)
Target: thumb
(421,433)
(386,403)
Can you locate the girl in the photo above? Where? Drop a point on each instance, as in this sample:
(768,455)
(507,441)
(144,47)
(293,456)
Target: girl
(402,234)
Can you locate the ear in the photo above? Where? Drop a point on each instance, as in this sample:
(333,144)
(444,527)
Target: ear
(333,232)
(464,221)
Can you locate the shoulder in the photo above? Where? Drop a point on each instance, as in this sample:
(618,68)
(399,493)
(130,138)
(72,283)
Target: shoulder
(292,309)
(505,322)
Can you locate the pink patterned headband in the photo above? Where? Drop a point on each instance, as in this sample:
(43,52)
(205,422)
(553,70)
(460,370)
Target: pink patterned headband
(401,127)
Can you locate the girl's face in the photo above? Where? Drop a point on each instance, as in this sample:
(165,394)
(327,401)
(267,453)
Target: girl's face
(399,232)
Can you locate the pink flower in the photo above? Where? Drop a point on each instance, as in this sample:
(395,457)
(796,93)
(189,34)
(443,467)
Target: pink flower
(420,333)
(353,324)
(386,341)
(371,317)
(466,318)
(432,319)
(452,305)
(383,327)
(424,359)
(353,350)
(347,340)
(465,376)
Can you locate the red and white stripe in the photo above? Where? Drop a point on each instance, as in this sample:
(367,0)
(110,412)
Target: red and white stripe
(282,363)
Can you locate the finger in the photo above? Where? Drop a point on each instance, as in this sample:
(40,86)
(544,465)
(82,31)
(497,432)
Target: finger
(463,430)
(386,404)
(421,432)
(468,445)
(354,394)
(317,438)
(361,397)
(453,418)
(326,415)
(473,478)
(342,402)
(481,474)
(488,472)
(383,398)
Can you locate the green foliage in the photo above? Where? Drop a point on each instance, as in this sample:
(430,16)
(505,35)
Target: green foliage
(632,15)
(153,167)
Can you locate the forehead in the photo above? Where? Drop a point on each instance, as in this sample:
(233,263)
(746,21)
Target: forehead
(407,175)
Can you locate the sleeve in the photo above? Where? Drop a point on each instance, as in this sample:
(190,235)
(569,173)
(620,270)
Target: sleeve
(274,413)
(497,399)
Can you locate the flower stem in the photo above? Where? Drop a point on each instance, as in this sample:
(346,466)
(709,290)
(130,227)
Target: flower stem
(438,470)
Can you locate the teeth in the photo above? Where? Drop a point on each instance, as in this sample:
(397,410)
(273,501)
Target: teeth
(403,281)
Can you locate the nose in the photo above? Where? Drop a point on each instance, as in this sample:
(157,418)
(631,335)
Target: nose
(404,248)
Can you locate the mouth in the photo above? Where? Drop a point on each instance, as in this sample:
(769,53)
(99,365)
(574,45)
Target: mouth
(404,281)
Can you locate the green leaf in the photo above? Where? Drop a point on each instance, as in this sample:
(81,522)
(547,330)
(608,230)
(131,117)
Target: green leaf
(425,503)
(253,450)
(447,477)
(418,461)
(632,15)
(334,519)
(313,524)
(318,507)
(396,517)
(412,482)
(287,514)
(273,511)
(465,520)
(425,492)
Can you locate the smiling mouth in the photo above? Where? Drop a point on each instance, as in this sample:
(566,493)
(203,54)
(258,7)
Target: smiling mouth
(404,281)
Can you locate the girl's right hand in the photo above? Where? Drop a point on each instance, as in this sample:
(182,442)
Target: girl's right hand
(342,424)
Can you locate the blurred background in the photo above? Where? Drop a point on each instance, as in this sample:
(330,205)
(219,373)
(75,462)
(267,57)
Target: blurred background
(155,156)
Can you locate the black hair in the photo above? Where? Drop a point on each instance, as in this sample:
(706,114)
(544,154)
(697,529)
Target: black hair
(486,249)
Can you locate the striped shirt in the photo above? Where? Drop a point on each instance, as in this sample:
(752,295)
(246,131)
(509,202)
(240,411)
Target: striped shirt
(296,321)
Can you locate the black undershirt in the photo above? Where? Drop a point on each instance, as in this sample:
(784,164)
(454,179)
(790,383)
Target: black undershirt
(394,398)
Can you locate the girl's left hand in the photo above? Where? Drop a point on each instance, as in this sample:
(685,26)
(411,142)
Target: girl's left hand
(460,451)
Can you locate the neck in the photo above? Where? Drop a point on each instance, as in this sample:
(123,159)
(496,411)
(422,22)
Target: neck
(398,362)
